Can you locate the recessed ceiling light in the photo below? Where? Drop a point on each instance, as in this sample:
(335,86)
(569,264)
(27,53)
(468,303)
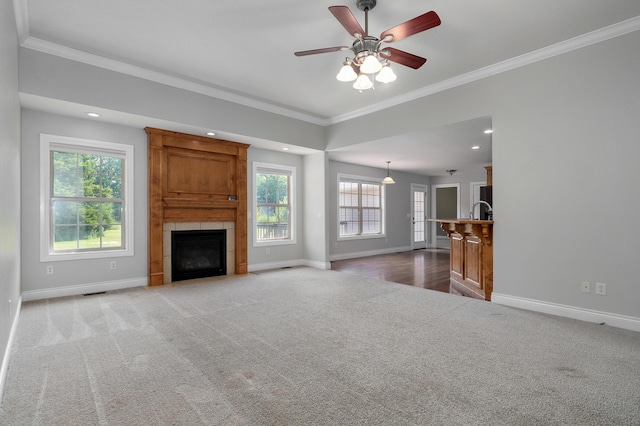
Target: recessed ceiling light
(488,131)
(211,134)
(475,147)
(285,149)
(93,114)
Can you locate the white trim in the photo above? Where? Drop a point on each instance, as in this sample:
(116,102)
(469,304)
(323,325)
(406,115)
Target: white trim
(603,34)
(75,290)
(291,171)
(84,145)
(21,10)
(7,352)
(472,199)
(588,315)
(383,206)
(355,255)
(55,49)
(289,264)
(419,187)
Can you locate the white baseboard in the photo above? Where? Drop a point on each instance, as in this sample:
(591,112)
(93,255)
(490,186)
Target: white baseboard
(613,320)
(74,290)
(355,255)
(7,352)
(317,264)
(289,264)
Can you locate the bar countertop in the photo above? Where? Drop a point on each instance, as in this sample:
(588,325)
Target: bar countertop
(462,220)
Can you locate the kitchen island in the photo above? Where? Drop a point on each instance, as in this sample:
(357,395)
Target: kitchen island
(471,257)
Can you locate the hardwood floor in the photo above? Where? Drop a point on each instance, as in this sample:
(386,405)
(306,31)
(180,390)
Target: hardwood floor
(426,268)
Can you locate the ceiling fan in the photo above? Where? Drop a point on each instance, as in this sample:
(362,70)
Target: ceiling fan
(369,55)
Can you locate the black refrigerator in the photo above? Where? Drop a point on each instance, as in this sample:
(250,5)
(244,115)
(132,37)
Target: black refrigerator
(486,195)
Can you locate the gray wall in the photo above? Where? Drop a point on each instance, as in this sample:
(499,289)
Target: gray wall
(274,256)
(398,214)
(91,274)
(316,209)
(10,178)
(311,243)
(565,174)
(54,77)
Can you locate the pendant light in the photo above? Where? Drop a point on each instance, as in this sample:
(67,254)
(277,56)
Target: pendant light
(388,180)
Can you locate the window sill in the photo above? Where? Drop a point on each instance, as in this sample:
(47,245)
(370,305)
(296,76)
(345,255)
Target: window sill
(362,237)
(57,257)
(274,243)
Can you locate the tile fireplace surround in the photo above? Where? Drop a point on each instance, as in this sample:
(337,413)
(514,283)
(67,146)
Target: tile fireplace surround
(168,227)
(195,183)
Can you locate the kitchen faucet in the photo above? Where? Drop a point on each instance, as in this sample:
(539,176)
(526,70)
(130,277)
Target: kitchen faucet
(489,208)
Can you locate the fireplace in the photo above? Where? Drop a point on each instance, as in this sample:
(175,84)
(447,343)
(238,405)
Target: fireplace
(198,254)
(195,183)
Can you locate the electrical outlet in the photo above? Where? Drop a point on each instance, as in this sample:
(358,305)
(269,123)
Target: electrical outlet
(586,287)
(113,265)
(49,269)
(601,289)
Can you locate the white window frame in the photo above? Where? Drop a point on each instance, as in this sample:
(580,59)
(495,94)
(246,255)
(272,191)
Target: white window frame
(383,208)
(50,143)
(277,168)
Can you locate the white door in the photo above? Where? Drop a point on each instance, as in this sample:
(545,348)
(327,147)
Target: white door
(418,216)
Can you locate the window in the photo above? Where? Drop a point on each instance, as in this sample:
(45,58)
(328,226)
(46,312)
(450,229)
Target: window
(274,201)
(86,195)
(360,202)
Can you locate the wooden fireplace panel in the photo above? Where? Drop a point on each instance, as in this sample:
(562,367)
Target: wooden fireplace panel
(209,174)
(199,215)
(195,179)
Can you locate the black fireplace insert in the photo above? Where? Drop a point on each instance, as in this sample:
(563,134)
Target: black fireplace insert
(198,254)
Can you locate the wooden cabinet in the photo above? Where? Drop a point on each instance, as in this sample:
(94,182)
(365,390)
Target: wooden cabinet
(471,257)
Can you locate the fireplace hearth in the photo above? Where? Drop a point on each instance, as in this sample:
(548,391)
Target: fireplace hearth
(198,254)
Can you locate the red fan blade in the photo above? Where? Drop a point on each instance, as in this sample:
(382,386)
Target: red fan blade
(349,22)
(324,50)
(403,58)
(414,26)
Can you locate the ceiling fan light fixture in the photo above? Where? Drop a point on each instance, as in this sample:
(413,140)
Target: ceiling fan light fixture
(386,74)
(370,60)
(363,82)
(346,73)
(370,65)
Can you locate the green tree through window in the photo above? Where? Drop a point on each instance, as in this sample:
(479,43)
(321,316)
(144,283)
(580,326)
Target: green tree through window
(273,204)
(86,201)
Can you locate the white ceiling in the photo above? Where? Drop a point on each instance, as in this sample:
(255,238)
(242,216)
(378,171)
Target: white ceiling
(244,48)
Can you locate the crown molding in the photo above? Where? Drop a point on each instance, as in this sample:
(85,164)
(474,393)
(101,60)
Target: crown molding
(606,33)
(21,10)
(578,42)
(62,51)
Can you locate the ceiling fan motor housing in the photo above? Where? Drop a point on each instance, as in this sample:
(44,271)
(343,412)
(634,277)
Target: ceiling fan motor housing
(366,4)
(364,47)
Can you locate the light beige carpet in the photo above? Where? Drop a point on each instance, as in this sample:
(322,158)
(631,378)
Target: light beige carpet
(308,347)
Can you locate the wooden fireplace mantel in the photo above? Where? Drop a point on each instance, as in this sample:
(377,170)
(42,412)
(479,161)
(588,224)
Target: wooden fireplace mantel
(195,179)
